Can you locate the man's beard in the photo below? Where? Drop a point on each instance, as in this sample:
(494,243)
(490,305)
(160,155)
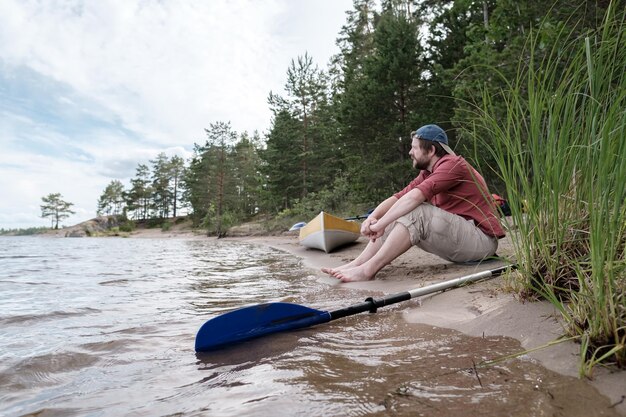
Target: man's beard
(420,165)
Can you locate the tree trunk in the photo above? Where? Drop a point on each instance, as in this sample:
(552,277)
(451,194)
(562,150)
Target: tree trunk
(220,192)
(305,148)
(175,194)
(486,20)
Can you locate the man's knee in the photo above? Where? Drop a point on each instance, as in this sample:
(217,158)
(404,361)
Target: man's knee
(402,230)
(417,223)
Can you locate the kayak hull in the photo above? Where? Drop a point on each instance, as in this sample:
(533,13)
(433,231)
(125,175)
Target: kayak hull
(327,232)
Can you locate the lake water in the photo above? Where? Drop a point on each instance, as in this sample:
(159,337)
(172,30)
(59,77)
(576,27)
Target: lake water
(106,327)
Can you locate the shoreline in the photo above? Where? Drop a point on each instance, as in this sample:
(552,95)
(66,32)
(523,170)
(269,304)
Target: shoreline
(479,309)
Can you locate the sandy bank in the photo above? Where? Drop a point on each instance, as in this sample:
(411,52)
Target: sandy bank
(479,309)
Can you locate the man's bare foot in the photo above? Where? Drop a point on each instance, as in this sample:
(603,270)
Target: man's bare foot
(333,271)
(353,275)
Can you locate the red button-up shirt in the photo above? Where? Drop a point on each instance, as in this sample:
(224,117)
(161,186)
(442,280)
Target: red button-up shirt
(455,186)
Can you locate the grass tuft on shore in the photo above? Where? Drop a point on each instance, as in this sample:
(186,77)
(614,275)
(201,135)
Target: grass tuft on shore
(560,150)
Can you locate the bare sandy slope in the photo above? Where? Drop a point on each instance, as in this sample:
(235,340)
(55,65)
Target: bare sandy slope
(478,309)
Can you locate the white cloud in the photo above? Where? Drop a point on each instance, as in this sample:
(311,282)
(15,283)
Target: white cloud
(161,66)
(153,73)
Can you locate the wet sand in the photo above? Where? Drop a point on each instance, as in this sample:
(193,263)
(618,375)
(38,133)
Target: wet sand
(481,309)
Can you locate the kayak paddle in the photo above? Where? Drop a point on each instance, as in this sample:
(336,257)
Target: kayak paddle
(262,319)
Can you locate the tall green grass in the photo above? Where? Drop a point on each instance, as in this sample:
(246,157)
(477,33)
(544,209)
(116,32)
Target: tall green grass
(561,152)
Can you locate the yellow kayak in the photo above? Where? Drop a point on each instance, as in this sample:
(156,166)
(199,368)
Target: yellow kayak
(327,232)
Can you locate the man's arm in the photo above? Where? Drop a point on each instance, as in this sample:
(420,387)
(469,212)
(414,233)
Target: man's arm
(399,208)
(378,212)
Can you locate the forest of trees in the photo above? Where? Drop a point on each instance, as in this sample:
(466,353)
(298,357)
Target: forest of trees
(339,136)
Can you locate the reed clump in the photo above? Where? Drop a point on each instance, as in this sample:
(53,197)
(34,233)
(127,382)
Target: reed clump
(560,150)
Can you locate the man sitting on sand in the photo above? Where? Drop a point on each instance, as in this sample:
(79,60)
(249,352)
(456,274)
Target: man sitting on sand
(447,210)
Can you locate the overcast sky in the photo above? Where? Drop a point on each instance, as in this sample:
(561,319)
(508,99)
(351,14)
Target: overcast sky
(90,89)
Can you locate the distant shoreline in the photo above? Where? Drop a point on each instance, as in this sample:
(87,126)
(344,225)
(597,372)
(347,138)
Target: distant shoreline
(117,226)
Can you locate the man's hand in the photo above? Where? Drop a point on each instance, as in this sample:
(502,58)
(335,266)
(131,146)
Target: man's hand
(365,226)
(370,230)
(376,230)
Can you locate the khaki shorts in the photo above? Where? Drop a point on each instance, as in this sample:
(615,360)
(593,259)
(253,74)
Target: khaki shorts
(446,235)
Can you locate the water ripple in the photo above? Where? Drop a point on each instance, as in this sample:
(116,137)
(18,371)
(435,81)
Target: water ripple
(26,318)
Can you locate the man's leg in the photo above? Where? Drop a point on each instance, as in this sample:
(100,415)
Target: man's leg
(447,235)
(433,230)
(395,245)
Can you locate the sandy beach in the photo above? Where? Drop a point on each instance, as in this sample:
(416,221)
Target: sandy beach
(481,309)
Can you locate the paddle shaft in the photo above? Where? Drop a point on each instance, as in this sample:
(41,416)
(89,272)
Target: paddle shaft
(371,304)
(364,216)
(262,319)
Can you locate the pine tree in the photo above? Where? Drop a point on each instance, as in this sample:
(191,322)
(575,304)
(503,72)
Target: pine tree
(161,191)
(197,182)
(112,200)
(301,136)
(247,175)
(138,198)
(56,208)
(176,171)
(282,164)
(221,139)
(381,99)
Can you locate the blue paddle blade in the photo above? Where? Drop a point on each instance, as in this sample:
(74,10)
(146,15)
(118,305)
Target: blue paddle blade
(297,226)
(255,321)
